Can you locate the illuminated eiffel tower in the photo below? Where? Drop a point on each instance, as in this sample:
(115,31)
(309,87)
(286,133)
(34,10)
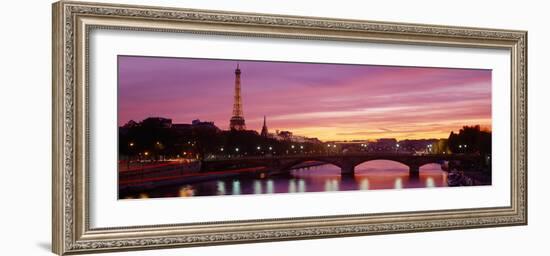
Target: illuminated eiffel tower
(237,120)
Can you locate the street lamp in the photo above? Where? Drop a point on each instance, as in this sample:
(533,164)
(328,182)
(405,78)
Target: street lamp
(237,149)
(130,153)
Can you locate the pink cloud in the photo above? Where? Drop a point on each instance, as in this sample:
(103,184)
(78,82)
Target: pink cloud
(332,101)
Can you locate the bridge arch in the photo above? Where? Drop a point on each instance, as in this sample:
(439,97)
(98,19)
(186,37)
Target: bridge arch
(412,164)
(438,162)
(288,165)
(364,161)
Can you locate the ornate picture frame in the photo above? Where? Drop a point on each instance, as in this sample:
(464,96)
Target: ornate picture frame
(72,24)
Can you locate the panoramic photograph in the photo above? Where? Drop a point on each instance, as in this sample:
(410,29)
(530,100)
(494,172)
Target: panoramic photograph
(211,127)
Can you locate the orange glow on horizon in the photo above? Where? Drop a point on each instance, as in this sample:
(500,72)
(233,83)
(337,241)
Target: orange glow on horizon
(406,131)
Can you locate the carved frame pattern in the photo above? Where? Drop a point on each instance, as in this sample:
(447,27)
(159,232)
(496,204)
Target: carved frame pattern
(71,232)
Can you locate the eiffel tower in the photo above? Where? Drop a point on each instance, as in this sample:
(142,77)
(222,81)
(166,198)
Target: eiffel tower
(237,120)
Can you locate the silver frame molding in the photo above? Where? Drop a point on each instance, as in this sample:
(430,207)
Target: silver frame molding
(72,22)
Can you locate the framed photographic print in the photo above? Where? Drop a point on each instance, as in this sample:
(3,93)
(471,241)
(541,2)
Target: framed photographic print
(179,127)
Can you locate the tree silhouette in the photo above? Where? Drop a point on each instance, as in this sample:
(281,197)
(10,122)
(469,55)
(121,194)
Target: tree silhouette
(471,139)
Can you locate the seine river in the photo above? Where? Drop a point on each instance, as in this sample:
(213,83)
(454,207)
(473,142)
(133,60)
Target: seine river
(379,174)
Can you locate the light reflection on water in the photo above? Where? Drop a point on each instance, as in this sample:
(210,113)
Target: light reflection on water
(236,187)
(398,184)
(430,183)
(221,187)
(373,175)
(257,187)
(364,184)
(269,186)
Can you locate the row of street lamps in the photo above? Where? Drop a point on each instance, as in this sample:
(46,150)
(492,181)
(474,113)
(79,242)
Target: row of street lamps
(260,148)
(292,147)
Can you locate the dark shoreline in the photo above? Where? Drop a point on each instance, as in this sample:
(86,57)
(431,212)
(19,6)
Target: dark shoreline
(200,177)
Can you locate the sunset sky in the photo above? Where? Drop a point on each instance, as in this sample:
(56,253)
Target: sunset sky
(327,101)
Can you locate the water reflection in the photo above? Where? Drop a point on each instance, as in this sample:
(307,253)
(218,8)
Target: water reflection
(269,186)
(292,186)
(186,191)
(335,185)
(430,183)
(221,187)
(301,186)
(236,187)
(364,184)
(368,176)
(257,187)
(398,184)
(327,185)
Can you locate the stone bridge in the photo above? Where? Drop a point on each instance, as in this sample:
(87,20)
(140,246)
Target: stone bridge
(347,162)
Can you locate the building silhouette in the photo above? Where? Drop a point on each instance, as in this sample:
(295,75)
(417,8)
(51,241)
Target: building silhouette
(237,120)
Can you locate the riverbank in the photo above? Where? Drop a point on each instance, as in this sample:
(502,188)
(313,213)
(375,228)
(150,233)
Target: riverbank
(168,178)
(169,174)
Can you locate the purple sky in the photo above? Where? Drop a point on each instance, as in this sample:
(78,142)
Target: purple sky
(328,101)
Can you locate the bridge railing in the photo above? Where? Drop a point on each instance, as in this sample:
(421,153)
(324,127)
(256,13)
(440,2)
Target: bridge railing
(337,154)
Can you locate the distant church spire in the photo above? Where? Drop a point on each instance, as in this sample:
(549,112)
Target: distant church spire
(237,120)
(264,129)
